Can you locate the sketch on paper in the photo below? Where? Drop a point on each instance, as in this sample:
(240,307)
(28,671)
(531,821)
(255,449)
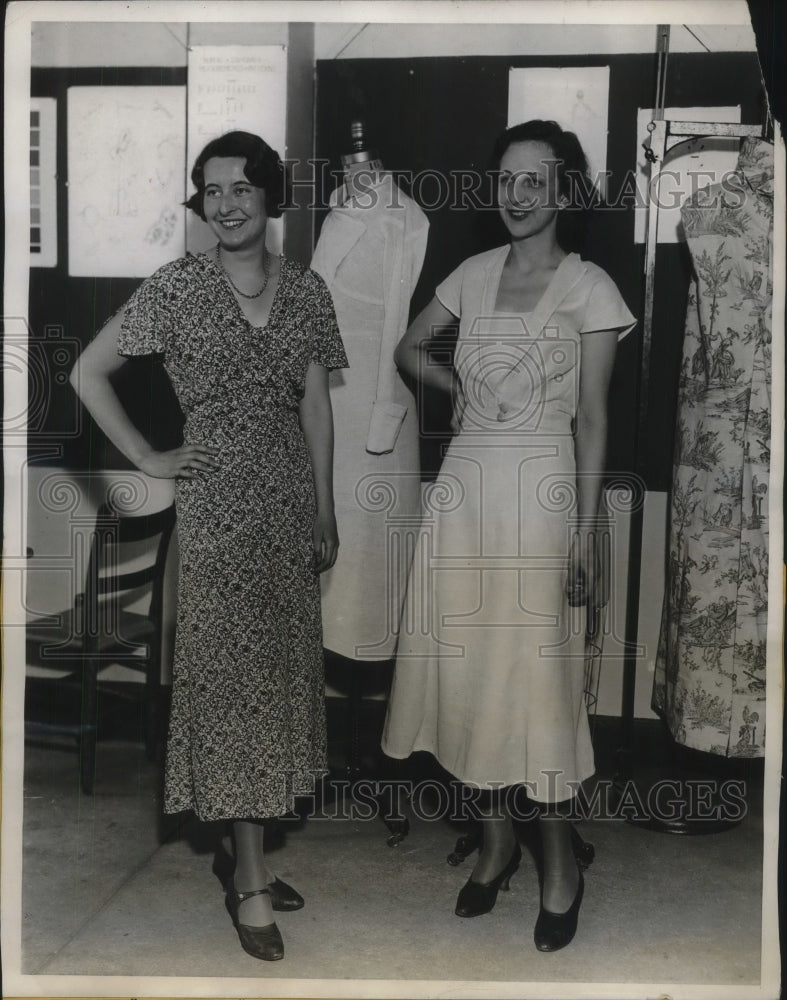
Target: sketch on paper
(576,97)
(126,148)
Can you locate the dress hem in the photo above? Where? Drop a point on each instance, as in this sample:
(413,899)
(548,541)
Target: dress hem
(528,782)
(171,808)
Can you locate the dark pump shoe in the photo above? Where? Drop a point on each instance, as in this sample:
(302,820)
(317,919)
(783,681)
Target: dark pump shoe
(283,896)
(554,931)
(476,898)
(261,942)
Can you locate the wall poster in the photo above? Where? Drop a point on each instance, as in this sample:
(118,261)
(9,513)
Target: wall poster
(576,97)
(125,179)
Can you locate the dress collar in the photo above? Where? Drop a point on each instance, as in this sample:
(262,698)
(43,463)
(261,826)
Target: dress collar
(568,272)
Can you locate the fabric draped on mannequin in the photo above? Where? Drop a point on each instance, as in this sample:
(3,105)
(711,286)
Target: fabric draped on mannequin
(709,683)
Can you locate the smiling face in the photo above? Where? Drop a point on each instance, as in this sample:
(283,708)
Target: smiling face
(527,189)
(234,208)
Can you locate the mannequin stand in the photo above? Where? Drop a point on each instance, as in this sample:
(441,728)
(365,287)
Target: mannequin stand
(355,677)
(704,793)
(657,153)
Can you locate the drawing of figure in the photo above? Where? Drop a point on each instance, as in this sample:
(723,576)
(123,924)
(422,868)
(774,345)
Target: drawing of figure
(723,516)
(753,286)
(125,156)
(160,233)
(723,360)
(747,732)
(167,153)
(758,491)
(582,111)
(698,361)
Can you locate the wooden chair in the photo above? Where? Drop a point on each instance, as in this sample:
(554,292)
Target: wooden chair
(98,630)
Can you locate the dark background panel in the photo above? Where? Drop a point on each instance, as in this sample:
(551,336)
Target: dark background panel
(68,311)
(440,116)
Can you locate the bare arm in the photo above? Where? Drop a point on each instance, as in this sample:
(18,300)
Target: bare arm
(590,439)
(411,352)
(590,446)
(91,379)
(316,418)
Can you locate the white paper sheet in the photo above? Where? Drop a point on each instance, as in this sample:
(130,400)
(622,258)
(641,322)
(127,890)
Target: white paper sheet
(576,97)
(125,183)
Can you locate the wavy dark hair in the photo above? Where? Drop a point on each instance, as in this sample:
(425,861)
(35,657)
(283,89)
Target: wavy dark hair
(263,168)
(573,176)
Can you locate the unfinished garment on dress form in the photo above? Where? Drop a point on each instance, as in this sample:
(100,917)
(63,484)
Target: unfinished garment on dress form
(709,683)
(370,252)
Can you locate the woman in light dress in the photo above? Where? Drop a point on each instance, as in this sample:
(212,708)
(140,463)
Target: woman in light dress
(490,662)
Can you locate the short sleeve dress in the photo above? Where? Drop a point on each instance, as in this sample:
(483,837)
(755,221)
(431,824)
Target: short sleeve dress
(247,724)
(490,663)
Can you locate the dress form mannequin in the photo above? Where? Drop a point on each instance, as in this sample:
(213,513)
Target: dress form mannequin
(370,251)
(709,681)
(362,167)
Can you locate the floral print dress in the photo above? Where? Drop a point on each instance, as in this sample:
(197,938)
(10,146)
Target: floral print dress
(710,669)
(247,725)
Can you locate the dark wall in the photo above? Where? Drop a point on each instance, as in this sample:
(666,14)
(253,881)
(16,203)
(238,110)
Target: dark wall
(300,132)
(429,114)
(443,114)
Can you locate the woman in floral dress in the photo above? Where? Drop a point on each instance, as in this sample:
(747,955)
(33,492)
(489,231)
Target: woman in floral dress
(247,339)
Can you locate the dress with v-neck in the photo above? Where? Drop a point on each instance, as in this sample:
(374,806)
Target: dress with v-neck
(247,724)
(490,661)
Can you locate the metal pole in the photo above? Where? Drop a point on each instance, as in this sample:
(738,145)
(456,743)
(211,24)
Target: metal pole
(655,155)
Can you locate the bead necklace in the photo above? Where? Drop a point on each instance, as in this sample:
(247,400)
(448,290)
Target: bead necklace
(265,268)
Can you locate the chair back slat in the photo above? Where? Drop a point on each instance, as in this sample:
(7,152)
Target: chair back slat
(98,630)
(134,527)
(117,582)
(114,529)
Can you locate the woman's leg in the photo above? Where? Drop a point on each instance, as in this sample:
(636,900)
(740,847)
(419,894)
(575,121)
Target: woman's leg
(499,839)
(498,859)
(561,874)
(251,872)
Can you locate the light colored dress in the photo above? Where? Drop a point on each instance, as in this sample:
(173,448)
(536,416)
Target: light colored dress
(490,664)
(370,253)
